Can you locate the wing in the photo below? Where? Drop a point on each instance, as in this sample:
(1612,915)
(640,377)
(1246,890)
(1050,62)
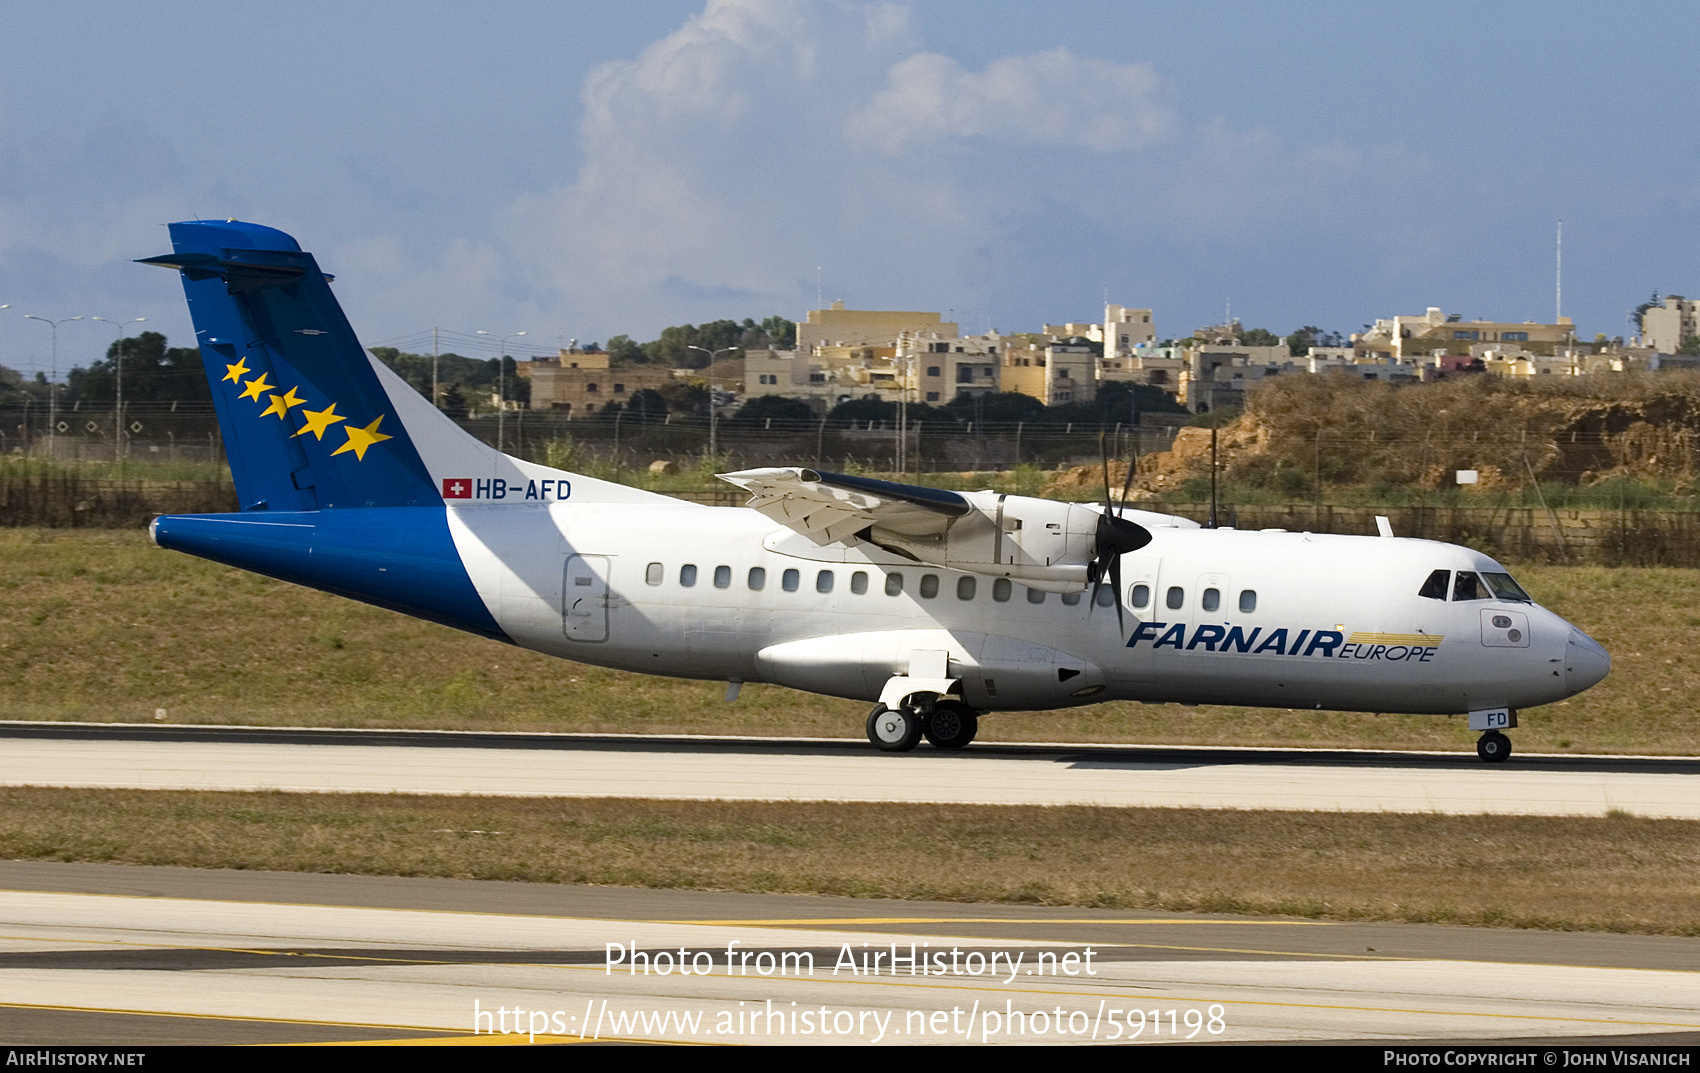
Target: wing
(830,508)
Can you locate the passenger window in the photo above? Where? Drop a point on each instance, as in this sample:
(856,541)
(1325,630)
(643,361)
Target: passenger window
(893,584)
(823,581)
(1248,601)
(1141,597)
(758,578)
(1435,587)
(929,586)
(722,577)
(788,580)
(1175,598)
(688,575)
(965,588)
(1467,586)
(1035,596)
(652,574)
(1071,598)
(1001,588)
(1212,600)
(859,582)
(1105,596)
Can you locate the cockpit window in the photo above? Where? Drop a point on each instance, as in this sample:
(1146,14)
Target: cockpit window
(1435,587)
(1467,586)
(1506,589)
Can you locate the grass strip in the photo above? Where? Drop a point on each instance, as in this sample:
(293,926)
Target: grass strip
(1616,873)
(100,626)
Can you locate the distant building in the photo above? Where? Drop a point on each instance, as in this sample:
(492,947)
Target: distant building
(579,382)
(1666,327)
(838,326)
(1054,372)
(946,369)
(1409,337)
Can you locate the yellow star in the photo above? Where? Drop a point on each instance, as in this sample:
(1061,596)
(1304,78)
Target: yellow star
(281,404)
(319,420)
(237,371)
(361,438)
(256,387)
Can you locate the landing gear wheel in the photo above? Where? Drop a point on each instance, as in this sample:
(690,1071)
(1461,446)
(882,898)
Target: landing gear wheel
(1493,747)
(894,730)
(952,726)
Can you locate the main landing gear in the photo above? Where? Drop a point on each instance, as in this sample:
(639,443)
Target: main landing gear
(1493,747)
(949,725)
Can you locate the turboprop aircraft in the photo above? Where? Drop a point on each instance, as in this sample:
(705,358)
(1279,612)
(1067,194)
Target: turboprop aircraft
(937,606)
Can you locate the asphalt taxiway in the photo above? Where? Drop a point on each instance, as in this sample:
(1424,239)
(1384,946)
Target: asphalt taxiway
(327,761)
(124,955)
(120,955)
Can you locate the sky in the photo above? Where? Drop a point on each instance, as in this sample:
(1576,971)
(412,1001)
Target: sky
(577,171)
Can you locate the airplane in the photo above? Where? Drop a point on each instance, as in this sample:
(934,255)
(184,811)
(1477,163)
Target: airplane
(936,606)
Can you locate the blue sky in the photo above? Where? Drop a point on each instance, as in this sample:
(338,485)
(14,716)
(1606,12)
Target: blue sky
(582,170)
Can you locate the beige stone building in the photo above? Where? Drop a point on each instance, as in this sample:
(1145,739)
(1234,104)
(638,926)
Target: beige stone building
(1054,373)
(838,326)
(579,382)
(1411,337)
(945,369)
(1666,327)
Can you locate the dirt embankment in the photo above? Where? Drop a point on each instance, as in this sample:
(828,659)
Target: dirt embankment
(1300,429)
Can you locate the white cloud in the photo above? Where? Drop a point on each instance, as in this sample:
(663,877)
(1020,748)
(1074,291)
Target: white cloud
(1045,99)
(765,137)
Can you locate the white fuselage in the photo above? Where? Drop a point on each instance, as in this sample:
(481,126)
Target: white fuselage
(709,592)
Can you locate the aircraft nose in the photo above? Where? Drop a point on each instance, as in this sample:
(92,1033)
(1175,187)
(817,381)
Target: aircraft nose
(1585,662)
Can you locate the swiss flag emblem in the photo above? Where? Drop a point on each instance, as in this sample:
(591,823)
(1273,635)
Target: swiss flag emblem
(457,488)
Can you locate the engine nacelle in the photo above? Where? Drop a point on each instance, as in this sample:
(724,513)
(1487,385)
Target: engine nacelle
(1041,543)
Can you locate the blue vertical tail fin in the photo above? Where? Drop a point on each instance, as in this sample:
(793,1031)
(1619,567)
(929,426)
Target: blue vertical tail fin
(306,423)
(310,420)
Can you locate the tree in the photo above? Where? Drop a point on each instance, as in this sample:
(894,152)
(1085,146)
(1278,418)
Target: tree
(861,412)
(454,403)
(1259,337)
(782,332)
(1000,407)
(622,351)
(152,373)
(686,396)
(647,404)
(1641,309)
(789,412)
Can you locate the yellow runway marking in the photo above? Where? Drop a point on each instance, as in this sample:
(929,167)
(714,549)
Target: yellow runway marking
(817,921)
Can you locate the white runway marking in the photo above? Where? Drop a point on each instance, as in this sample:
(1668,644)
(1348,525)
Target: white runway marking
(1071,778)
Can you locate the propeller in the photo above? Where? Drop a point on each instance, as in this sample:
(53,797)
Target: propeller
(1116,537)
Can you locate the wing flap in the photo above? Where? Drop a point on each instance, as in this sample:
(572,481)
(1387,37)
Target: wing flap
(832,508)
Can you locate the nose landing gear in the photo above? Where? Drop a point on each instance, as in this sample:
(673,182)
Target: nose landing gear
(1493,747)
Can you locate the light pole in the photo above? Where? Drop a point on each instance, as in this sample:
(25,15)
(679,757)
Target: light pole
(52,380)
(713,410)
(501,383)
(118,398)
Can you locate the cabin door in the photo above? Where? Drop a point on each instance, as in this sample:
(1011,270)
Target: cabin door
(584,598)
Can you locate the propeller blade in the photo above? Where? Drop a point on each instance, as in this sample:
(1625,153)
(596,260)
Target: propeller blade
(1116,591)
(1104,455)
(1127,485)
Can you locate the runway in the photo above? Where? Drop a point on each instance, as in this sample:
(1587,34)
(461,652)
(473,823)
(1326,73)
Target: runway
(105,954)
(324,761)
